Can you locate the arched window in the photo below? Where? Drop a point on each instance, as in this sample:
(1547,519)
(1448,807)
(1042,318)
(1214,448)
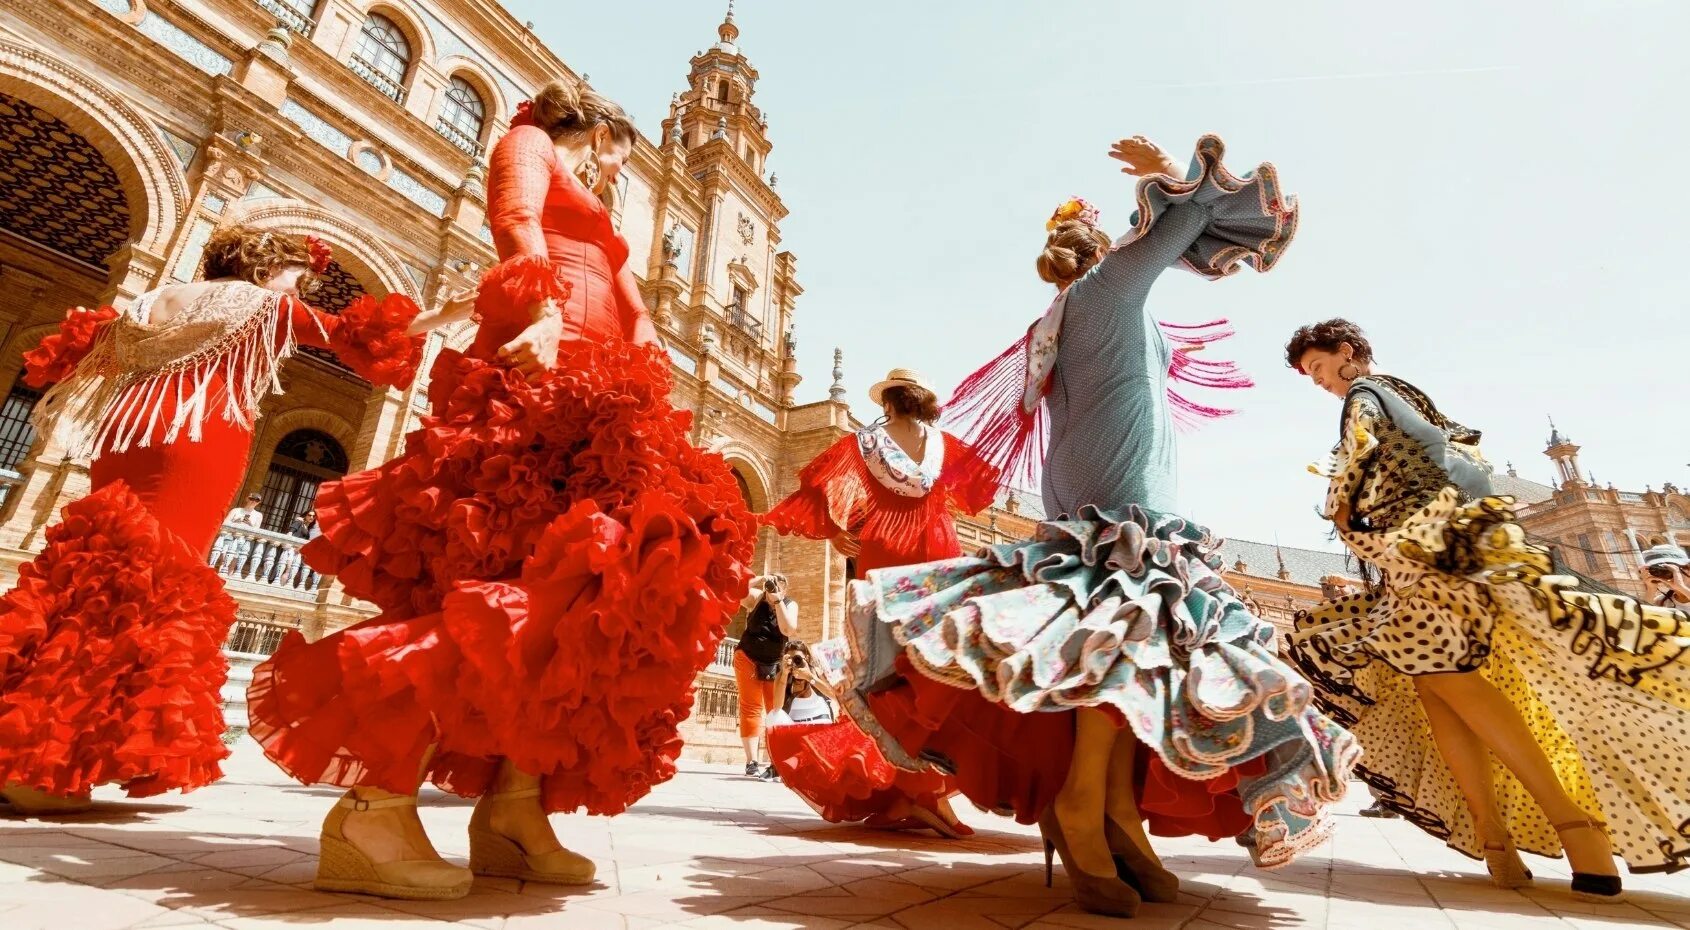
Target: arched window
(17,433)
(722,94)
(462,116)
(303,460)
(383,55)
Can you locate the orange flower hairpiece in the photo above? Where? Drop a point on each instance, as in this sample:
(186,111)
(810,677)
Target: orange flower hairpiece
(1073,209)
(321,254)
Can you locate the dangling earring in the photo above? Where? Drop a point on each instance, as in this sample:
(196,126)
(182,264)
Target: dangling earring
(1349,372)
(588,172)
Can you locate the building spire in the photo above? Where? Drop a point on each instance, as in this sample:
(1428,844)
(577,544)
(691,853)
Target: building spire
(727,31)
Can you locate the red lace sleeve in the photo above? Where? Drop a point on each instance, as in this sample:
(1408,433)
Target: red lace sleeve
(369,336)
(58,354)
(518,181)
(970,480)
(832,495)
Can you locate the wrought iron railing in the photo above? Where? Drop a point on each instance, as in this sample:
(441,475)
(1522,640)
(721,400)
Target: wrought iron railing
(743,321)
(266,560)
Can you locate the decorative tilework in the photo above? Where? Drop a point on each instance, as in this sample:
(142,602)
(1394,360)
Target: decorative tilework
(192,50)
(316,127)
(419,277)
(414,191)
(486,234)
(259,190)
(369,161)
(188,263)
(215,204)
(116,7)
(183,149)
(56,188)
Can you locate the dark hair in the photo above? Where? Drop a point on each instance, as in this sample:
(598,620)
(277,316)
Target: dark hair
(908,400)
(254,255)
(1327,337)
(569,106)
(1070,249)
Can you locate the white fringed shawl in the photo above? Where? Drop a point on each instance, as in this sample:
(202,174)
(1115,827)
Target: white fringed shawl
(135,370)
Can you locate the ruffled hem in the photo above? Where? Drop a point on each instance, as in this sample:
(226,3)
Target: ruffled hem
(1602,681)
(1253,219)
(838,770)
(520,283)
(555,562)
(371,339)
(58,354)
(111,662)
(1124,610)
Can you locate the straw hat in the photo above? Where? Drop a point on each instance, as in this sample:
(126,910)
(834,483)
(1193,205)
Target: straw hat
(899,377)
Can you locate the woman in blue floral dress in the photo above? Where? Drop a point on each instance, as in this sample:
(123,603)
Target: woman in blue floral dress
(1115,612)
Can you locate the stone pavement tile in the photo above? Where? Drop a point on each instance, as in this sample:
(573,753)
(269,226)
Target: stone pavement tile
(344,917)
(1588,923)
(577,918)
(1267,908)
(479,904)
(85,908)
(266,856)
(1150,917)
(847,907)
(889,890)
(1521,916)
(1028,883)
(1346,914)
(97,871)
(949,878)
(772,920)
(662,905)
(969,913)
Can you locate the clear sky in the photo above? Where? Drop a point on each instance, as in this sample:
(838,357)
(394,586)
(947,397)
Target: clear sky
(1494,190)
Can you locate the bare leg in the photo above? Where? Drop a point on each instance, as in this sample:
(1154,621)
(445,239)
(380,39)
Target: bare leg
(1497,722)
(750,744)
(1121,802)
(1080,803)
(1468,760)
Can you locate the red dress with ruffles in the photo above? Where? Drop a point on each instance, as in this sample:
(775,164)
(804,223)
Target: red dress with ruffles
(111,662)
(836,767)
(553,560)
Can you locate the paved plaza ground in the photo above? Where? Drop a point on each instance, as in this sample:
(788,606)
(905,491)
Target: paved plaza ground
(712,849)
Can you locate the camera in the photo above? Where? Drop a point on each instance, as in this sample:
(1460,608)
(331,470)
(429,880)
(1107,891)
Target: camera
(770,586)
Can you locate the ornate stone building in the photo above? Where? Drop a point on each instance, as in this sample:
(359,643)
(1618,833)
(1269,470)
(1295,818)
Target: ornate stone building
(129,129)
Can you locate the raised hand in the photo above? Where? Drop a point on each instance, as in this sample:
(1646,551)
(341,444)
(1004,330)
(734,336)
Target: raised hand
(1142,157)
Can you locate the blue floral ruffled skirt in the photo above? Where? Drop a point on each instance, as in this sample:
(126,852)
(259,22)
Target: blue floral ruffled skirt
(1121,609)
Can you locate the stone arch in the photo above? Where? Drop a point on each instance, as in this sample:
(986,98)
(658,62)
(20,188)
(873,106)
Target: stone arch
(366,257)
(272,428)
(152,180)
(745,463)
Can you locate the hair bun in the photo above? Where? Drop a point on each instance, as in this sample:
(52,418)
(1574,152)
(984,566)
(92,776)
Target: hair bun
(557,106)
(1071,247)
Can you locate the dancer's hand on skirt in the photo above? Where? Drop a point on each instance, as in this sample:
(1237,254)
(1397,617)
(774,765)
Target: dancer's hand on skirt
(1143,157)
(848,545)
(534,349)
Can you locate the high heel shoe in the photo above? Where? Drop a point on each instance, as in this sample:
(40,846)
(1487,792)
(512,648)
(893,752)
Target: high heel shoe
(1098,894)
(1505,866)
(31,802)
(494,854)
(1149,878)
(344,867)
(1588,886)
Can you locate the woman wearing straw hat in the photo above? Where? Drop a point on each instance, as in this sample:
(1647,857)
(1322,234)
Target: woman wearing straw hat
(883,496)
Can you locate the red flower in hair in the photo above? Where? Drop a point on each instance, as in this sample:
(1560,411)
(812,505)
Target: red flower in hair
(321,255)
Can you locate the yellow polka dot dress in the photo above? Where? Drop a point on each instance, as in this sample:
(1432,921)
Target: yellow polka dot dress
(1602,681)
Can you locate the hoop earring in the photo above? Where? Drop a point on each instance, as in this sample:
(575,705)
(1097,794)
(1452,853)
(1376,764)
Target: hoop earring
(588,172)
(1352,372)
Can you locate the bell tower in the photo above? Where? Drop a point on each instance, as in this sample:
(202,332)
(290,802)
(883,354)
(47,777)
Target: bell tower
(1565,454)
(717,104)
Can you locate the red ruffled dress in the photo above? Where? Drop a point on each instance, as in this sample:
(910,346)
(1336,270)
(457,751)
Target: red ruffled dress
(900,512)
(111,663)
(553,559)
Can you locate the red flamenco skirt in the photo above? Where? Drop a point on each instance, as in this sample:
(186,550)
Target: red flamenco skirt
(555,563)
(111,661)
(841,773)
(1014,763)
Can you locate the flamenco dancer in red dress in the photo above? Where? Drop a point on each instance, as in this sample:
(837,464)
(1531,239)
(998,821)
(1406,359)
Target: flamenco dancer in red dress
(554,561)
(884,496)
(111,656)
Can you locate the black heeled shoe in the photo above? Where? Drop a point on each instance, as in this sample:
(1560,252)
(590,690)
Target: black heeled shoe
(1588,886)
(1096,894)
(1152,881)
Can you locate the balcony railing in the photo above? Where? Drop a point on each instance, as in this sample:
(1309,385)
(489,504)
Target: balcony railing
(10,481)
(255,637)
(739,319)
(264,560)
(457,137)
(376,79)
(723,664)
(289,16)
